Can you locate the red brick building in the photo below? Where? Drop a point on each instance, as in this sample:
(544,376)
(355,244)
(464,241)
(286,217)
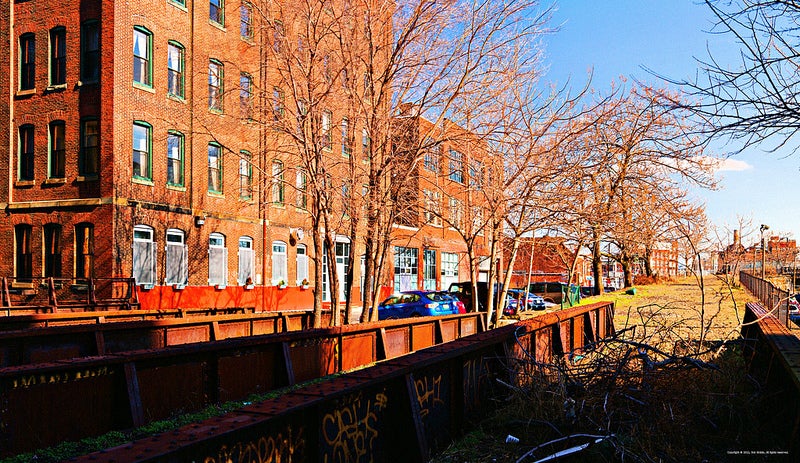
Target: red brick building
(153,140)
(444,205)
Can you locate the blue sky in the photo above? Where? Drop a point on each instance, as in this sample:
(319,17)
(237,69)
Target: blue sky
(616,38)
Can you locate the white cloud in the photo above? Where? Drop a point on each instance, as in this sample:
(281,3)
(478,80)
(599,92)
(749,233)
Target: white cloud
(721,165)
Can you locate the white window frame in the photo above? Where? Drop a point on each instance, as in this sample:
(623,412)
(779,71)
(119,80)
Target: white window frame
(302,263)
(175,247)
(247,261)
(217,251)
(279,265)
(144,252)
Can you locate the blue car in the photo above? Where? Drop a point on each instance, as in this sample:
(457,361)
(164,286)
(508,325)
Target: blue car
(416,304)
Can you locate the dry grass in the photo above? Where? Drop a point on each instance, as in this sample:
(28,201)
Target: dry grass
(657,391)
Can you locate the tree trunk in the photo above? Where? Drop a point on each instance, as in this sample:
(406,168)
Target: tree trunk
(597,266)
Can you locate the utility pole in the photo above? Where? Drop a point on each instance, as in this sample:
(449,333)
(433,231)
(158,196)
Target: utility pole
(763,248)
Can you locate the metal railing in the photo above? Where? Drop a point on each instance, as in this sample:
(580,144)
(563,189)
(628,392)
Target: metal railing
(773,298)
(50,295)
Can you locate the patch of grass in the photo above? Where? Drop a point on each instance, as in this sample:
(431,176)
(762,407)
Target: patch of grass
(656,406)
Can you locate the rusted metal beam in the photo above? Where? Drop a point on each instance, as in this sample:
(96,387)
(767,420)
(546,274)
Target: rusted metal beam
(398,410)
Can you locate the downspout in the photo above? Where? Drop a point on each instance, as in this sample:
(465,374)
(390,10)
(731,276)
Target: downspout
(11,75)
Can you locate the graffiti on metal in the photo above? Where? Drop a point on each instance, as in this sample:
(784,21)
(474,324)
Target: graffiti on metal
(282,447)
(429,393)
(60,377)
(350,431)
(475,376)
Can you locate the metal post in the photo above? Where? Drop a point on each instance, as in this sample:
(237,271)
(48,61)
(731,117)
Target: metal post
(763,248)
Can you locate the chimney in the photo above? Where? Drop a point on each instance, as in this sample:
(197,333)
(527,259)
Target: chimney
(736,237)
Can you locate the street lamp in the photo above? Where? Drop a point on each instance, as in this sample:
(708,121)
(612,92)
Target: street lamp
(763,228)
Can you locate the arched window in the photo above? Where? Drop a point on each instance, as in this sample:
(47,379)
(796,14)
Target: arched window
(84,250)
(51,237)
(177,271)
(279,271)
(23,256)
(217,260)
(144,255)
(246,261)
(302,264)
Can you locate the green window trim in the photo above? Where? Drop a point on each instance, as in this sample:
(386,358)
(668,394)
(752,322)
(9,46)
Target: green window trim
(176,60)
(142,159)
(215,168)
(175,158)
(142,58)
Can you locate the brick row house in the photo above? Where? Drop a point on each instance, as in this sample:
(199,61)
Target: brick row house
(153,140)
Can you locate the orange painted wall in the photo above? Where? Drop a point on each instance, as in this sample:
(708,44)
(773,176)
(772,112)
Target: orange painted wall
(263,298)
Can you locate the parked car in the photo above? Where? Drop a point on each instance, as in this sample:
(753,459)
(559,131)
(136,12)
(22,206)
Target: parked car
(417,304)
(455,302)
(516,299)
(794,308)
(550,291)
(463,291)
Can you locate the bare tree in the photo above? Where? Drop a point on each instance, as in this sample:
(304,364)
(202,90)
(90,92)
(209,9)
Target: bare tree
(758,100)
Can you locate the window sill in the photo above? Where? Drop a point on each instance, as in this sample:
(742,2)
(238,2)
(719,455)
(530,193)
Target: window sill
(142,181)
(87,178)
(247,40)
(173,187)
(174,97)
(278,205)
(56,88)
(146,286)
(217,25)
(55,181)
(21,285)
(301,209)
(247,199)
(86,83)
(23,93)
(178,5)
(24,183)
(144,87)
(216,194)
(215,111)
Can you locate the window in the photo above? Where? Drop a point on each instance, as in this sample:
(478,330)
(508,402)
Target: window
(456,213)
(456,166)
(246,21)
(144,255)
(58,56)
(177,258)
(175,53)
(301,184)
(25,169)
(326,68)
(449,269)
(477,220)
(175,158)
(89,156)
(23,256)
(433,210)
(142,51)
(346,144)
(57,150)
(277,104)
(246,261)
(246,95)
(429,269)
(90,51)
(214,168)
(52,250)
(431,156)
(277,182)
(217,260)
(27,62)
(279,271)
(278,37)
(475,177)
(84,250)
(302,264)
(245,176)
(216,11)
(142,145)
(406,261)
(215,71)
(325,123)
(365,143)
